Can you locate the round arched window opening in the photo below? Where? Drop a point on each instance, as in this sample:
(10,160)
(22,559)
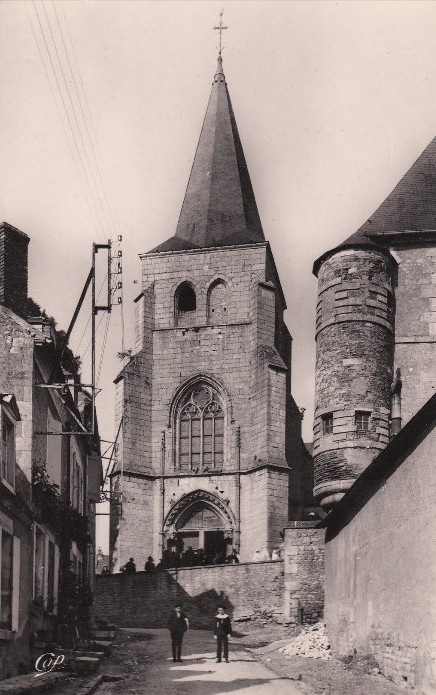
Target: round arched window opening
(185,301)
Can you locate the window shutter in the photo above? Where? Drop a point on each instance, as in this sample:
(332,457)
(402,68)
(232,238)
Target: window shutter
(56,581)
(45,580)
(15,583)
(34,560)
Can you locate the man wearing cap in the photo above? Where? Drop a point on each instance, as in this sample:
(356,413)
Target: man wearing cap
(177,624)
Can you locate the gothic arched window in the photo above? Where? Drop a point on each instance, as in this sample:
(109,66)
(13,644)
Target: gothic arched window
(200,431)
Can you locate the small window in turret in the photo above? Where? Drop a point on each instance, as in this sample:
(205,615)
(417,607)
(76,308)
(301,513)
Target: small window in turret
(327,423)
(362,420)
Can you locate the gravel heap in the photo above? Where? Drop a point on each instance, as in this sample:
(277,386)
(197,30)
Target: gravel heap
(312,642)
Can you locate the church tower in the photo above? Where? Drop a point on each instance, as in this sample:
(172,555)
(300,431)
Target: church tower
(211,454)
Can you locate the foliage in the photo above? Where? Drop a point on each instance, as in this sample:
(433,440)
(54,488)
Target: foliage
(68,525)
(69,361)
(53,509)
(74,598)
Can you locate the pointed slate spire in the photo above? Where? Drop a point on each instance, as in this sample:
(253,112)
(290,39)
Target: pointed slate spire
(219,206)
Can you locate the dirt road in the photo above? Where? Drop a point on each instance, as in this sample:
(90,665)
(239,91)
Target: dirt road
(149,669)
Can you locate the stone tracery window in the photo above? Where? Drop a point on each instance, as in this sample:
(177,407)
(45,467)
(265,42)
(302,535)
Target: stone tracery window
(200,431)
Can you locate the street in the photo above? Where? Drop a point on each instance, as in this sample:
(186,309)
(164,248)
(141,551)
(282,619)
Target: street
(150,669)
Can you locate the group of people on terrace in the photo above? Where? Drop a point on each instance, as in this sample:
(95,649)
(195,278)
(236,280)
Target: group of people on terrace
(173,559)
(190,558)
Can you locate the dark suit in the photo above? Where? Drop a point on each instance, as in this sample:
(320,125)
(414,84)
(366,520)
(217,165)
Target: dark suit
(223,628)
(177,626)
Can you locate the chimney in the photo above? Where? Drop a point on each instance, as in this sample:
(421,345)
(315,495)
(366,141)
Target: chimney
(13,269)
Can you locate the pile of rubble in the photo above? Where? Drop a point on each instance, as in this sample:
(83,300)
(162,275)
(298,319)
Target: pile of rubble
(311,642)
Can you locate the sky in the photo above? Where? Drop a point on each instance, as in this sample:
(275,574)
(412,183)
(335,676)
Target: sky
(333,101)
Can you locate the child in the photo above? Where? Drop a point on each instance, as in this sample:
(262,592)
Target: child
(223,628)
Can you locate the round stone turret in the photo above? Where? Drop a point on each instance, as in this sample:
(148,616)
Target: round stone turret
(354,366)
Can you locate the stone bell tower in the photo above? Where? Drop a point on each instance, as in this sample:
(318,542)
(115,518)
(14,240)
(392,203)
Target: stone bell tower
(211,454)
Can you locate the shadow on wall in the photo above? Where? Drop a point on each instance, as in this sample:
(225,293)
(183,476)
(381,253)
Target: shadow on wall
(146,600)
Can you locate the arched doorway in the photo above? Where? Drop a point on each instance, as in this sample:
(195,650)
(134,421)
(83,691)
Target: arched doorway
(199,530)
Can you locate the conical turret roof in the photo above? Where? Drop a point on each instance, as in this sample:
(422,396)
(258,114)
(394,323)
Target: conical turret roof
(411,207)
(219,208)
(412,204)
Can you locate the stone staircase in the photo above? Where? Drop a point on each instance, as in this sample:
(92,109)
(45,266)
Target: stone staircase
(86,657)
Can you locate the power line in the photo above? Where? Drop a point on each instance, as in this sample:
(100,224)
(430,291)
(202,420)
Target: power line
(103,346)
(100,165)
(61,118)
(62,71)
(52,65)
(89,319)
(91,181)
(107,213)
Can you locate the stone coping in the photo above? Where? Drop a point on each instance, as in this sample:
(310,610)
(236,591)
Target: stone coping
(173,570)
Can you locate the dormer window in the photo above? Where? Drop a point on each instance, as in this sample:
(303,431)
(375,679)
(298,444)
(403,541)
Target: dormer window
(185,303)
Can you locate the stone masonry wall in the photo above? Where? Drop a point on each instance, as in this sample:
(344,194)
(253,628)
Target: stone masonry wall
(131,531)
(415,326)
(16,376)
(223,352)
(354,366)
(248,590)
(238,357)
(304,572)
(380,579)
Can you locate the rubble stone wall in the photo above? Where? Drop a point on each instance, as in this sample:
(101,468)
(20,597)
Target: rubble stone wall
(145,599)
(304,572)
(354,366)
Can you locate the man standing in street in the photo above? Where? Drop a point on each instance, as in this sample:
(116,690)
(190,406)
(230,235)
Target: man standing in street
(177,625)
(223,628)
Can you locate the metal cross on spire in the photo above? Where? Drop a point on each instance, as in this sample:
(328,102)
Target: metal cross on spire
(220,28)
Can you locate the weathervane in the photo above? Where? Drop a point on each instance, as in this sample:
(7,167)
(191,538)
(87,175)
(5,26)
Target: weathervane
(221,28)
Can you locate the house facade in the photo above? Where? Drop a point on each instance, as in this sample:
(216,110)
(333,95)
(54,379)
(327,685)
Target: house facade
(50,476)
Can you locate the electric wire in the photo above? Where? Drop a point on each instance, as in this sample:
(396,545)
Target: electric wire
(61,118)
(113,451)
(105,208)
(89,319)
(91,180)
(108,318)
(60,91)
(77,125)
(102,171)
